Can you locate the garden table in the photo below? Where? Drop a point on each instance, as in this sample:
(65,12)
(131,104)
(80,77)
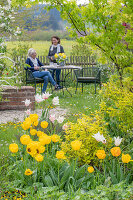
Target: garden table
(71,67)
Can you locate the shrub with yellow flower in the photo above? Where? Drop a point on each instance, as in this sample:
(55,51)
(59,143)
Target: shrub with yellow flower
(83,130)
(44,124)
(13,148)
(90,169)
(115,151)
(55,138)
(28,172)
(25,139)
(101,154)
(76,145)
(126,158)
(60,155)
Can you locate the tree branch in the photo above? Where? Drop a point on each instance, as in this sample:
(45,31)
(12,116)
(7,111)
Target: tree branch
(73,22)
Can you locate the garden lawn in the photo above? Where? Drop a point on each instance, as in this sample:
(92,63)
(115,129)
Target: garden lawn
(42,47)
(85,103)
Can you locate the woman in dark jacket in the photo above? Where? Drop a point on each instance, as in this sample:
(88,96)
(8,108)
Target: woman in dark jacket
(35,65)
(55,48)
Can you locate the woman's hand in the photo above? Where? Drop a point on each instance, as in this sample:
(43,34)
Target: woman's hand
(51,58)
(36,68)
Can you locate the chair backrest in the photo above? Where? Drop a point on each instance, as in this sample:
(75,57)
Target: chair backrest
(88,72)
(29,75)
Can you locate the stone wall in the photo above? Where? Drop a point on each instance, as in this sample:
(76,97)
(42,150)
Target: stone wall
(13,97)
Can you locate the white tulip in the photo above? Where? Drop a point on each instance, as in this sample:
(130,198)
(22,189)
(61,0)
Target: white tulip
(65,127)
(55,101)
(38,98)
(117,141)
(27,102)
(28,112)
(52,118)
(99,137)
(46,95)
(60,119)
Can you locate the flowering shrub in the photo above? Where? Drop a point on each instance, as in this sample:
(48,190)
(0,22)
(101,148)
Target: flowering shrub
(117,108)
(83,131)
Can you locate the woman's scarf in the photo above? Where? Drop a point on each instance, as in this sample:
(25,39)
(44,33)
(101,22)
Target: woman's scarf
(34,61)
(54,46)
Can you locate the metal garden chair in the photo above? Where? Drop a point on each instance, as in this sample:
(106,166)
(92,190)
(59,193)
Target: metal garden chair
(30,79)
(88,75)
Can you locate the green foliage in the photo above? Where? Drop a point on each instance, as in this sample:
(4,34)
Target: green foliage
(117,107)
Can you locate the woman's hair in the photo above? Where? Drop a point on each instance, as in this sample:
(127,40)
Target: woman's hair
(56,38)
(31,51)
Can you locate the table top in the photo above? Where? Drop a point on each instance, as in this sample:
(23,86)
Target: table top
(61,67)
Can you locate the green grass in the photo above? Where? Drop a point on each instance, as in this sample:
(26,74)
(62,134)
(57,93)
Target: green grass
(42,47)
(9,133)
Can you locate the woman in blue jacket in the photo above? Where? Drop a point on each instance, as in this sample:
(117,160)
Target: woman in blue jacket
(35,65)
(55,48)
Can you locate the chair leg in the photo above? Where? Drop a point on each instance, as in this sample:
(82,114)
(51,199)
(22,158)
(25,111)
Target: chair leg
(41,88)
(76,87)
(95,87)
(51,87)
(82,87)
(35,88)
(100,85)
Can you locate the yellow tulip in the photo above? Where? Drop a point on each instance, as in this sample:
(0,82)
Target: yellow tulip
(90,169)
(56,55)
(44,124)
(101,154)
(13,148)
(60,155)
(115,151)
(28,172)
(126,158)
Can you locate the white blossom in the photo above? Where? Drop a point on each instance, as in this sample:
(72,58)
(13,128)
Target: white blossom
(55,101)
(60,119)
(46,95)
(65,126)
(38,98)
(28,111)
(117,141)
(52,118)
(99,137)
(27,102)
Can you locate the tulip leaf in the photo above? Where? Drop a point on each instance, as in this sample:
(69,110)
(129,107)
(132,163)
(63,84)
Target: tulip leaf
(48,181)
(113,178)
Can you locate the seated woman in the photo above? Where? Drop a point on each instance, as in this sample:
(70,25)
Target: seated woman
(35,66)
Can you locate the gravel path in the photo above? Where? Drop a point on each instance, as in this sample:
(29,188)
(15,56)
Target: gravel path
(16,115)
